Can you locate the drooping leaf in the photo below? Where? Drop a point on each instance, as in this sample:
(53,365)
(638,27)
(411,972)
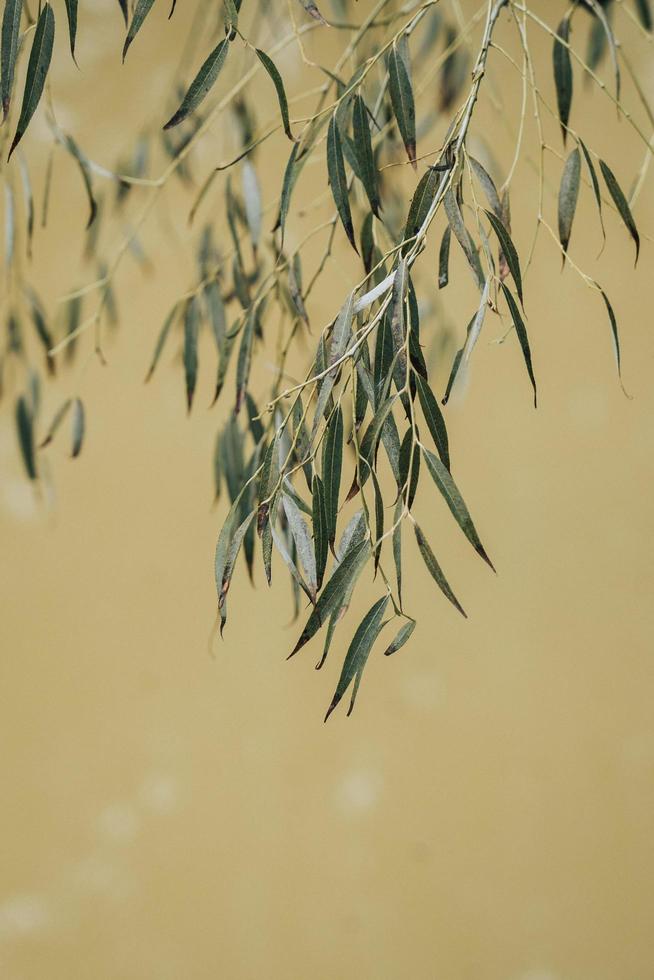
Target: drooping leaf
(435,570)
(614,330)
(488,184)
(434,419)
(201,84)
(595,183)
(37,69)
(645,13)
(252,198)
(141,11)
(401,92)
(444,259)
(409,457)
(509,250)
(320,531)
(523,339)
(337,179)
(278,82)
(398,322)
(161,341)
(332,464)
(9,49)
(402,636)
(78,427)
(462,235)
(621,204)
(303,542)
(71,11)
(364,152)
(191,328)
(421,202)
(397,546)
(85,171)
(358,653)
(563,78)
(25,430)
(568,195)
(58,418)
(450,492)
(244,361)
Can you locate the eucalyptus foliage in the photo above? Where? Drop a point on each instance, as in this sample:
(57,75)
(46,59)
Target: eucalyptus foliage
(321,472)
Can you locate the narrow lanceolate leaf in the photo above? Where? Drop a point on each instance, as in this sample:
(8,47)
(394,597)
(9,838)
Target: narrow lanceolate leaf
(401,90)
(488,184)
(645,13)
(244,361)
(523,339)
(37,69)
(409,457)
(444,259)
(25,430)
(78,426)
(434,419)
(253,206)
(201,84)
(421,202)
(341,333)
(59,416)
(337,179)
(364,152)
(397,547)
(332,465)
(563,74)
(595,183)
(123,9)
(435,570)
(342,580)
(277,81)
(614,330)
(191,327)
(320,532)
(462,235)
(313,11)
(398,322)
(509,250)
(401,637)
(455,502)
(71,11)
(303,542)
(568,195)
(161,341)
(141,11)
(621,204)
(9,49)
(85,171)
(358,653)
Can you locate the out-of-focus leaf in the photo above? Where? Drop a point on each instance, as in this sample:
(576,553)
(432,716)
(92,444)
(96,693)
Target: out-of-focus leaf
(332,464)
(28,200)
(25,430)
(645,13)
(278,82)
(252,198)
(563,78)
(37,69)
(568,195)
(58,418)
(435,570)
(244,361)
(141,11)
(401,92)
(295,287)
(402,636)
(161,341)
(337,179)
(523,339)
(9,50)
(434,419)
(85,171)
(450,492)
(621,204)
(358,653)
(509,250)
(313,11)
(364,152)
(78,426)
(201,84)
(191,328)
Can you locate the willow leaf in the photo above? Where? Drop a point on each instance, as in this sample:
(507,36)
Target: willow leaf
(397,546)
(364,152)
(523,339)
(358,653)
(25,430)
(614,330)
(450,492)
(462,235)
(277,81)
(253,206)
(509,250)
(645,14)
(37,69)
(161,341)
(201,84)
(621,204)
(191,328)
(58,418)
(488,185)
(563,78)
(320,531)
(444,259)
(595,183)
(71,12)
(337,179)
(434,419)
(141,11)
(303,542)
(85,171)
(401,92)
(435,570)
(421,202)
(568,196)
(407,450)
(313,11)
(9,50)
(401,637)
(332,465)
(78,425)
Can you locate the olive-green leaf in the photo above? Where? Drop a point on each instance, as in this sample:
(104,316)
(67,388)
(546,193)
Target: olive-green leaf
(614,330)
(435,570)
(77,426)
(191,327)
(364,152)
(450,492)
(278,82)
(201,84)
(462,235)
(302,538)
(71,11)
(563,78)
(9,49)
(645,13)
(161,341)
(509,250)
(85,171)
(568,195)
(332,465)
(401,637)
(434,419)
(523,339)
(37,69)
(401,91)
(421,202)
(595,183)
(58,418)
(444,259)
(409,456)
(25,430)
(397,547)
(320,532)
(488,184)
(141,11)
(337,179)
(358,653)
(621,204)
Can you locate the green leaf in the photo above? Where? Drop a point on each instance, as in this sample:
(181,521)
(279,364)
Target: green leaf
(71,11)
(645,13)
(434,419)
(303,542)
(58,418)
(595,183)
(488,184)
(450,492)
(521,331)
(435,570)
(403,635)
(509,250)
(407,446)
(364,152)
(201,84)
(568,196)
(277,81)
(320,531)
(141,11)
(25,430)
(444,259)
(457,224)
(9,50)
(614,330)
(37,69)
(621,204)
(421,202)
(397,547)
(85,171)
(161,341)
(244,361)
(401,91)
(563,78)
(337,179)
(191,327)
(398,322)
(78,426)
(358,653)
(332,465)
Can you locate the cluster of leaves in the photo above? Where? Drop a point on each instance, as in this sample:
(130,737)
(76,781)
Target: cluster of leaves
(367,403)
